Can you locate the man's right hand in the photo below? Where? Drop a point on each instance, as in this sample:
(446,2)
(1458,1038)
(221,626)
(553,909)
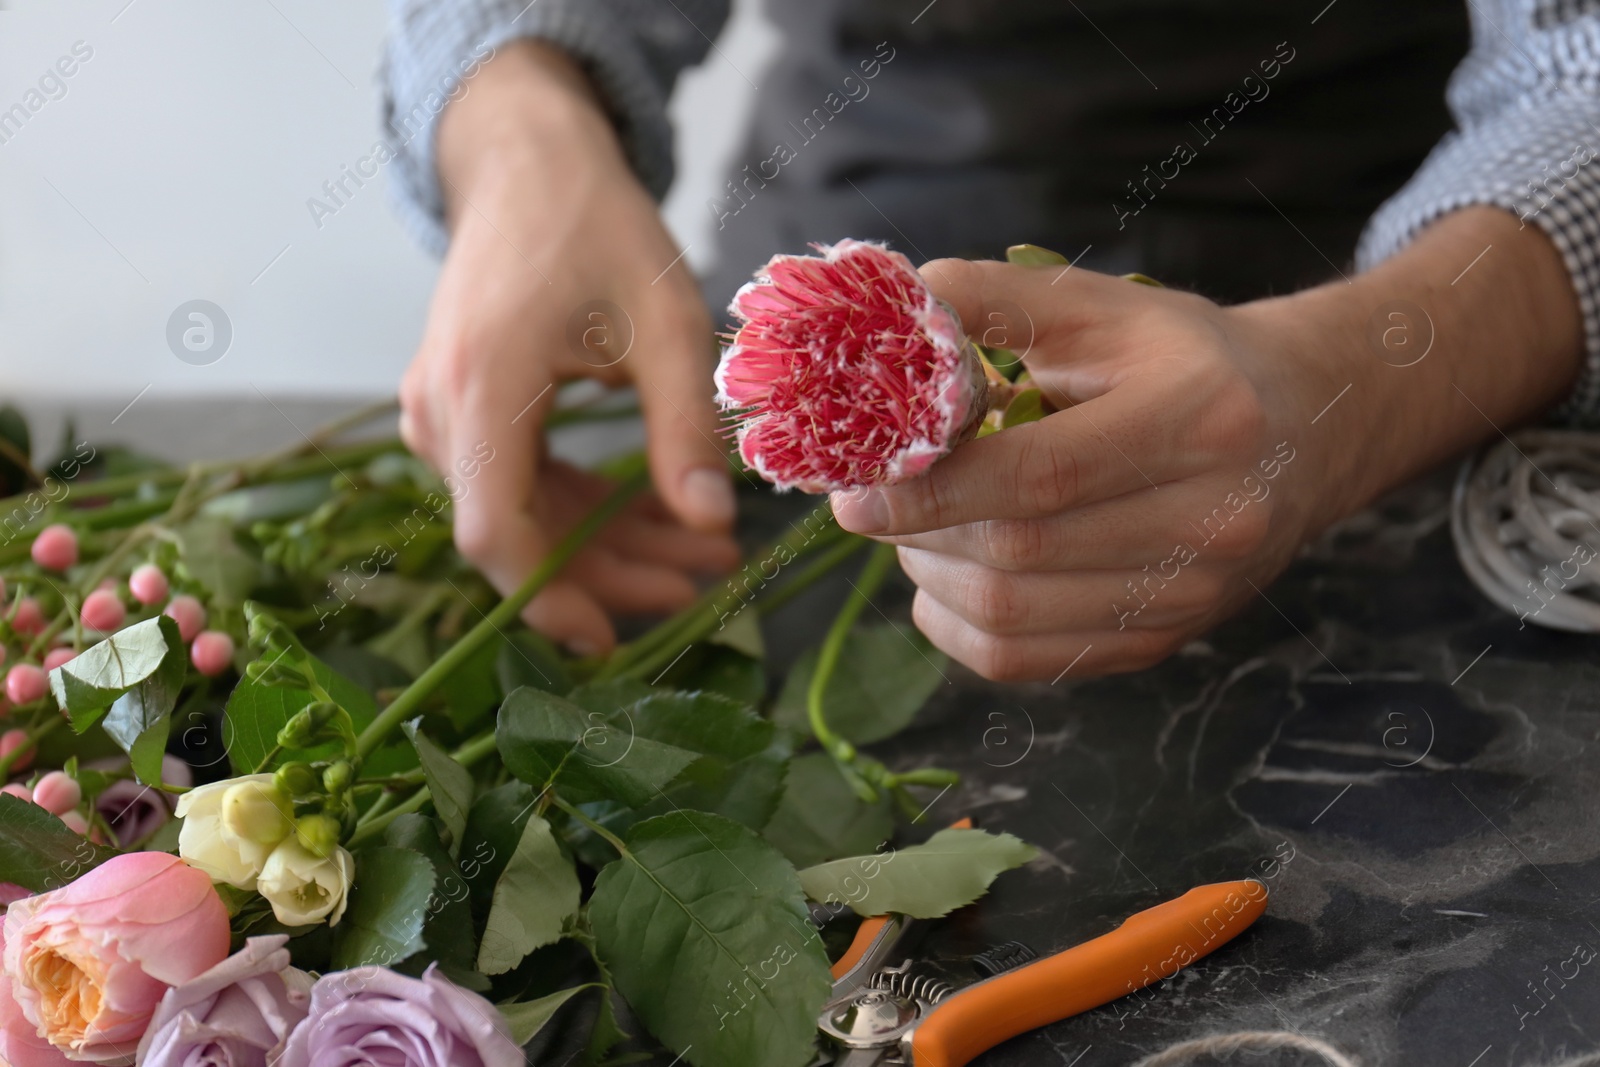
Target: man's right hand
(560,268)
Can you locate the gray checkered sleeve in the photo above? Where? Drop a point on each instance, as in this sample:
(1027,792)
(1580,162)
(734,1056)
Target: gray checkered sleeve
(633,51)
(1525,101)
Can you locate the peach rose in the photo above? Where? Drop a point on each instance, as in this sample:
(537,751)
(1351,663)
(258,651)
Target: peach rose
(87,964)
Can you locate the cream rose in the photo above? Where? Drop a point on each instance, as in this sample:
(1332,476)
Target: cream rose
(213,816)
(303,887)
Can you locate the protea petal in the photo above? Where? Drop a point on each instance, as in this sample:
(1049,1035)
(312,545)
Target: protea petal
(846,370)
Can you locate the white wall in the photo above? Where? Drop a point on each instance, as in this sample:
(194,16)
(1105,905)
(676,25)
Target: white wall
(177,166)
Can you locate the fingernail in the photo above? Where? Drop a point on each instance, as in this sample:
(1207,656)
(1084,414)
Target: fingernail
(861,512)
(709,496)
(583,647)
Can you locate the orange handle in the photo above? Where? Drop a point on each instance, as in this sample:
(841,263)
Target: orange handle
(1146,948)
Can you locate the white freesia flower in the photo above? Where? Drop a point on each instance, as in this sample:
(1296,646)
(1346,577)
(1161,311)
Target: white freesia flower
(207,842)
(303,887)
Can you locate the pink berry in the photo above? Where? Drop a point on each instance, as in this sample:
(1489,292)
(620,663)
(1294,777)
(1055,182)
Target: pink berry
(57,793)
(148,584)
(29,617)
(12,740)
(102,611)
(56,548)
(189,614)
(57,656)
(212,652)
(76,822)
(20,791)
(26,683)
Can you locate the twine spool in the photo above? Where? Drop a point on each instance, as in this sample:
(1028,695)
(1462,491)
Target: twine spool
(1525,516)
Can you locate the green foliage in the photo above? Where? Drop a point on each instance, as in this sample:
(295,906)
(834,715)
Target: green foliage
(38,852)
(388,908)
(447,929)
(527,1018)
(130,683)
(449,783)
(705,929)
(533,899)
(546,740)
(950,871)
(821,818)
(885,674)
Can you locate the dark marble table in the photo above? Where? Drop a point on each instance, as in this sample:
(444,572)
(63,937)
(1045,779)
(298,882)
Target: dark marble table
(1414,777)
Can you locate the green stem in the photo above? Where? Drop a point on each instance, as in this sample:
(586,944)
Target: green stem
(34,735)
(815,570)
(658,646)
(376,826)
(611,839)
(871,578)
(409,702)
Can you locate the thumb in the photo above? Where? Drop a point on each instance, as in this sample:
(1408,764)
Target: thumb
(683,432)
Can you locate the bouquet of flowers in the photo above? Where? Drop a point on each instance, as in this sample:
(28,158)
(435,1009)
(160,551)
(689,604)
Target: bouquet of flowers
(408,829)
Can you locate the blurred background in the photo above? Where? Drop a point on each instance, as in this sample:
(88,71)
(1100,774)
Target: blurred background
(175,165)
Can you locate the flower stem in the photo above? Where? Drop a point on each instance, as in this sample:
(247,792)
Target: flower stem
(871,578)
(371,829)
(814,571)
(659,646)
(409,702)
(600,831)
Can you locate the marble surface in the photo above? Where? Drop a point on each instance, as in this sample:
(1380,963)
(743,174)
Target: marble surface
(1414,777)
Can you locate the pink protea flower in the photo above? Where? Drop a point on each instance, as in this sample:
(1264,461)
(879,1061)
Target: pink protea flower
(847,371)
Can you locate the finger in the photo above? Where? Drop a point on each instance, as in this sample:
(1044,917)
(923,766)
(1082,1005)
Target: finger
(986,294)
(1041,657)
(671,545)
(1100,449)
(496,527)
(629,587)
(1214,518)
(1001,602)
(687,461)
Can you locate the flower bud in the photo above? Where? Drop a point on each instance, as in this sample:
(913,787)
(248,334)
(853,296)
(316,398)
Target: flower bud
(305,727)
(257,811)
(306,887)
(319,834)
(296,779)
(337,778)
(270,673)
(265,630)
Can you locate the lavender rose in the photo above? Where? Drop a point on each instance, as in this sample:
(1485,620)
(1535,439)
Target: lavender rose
(135,811)
(374,1015)
(237,1014)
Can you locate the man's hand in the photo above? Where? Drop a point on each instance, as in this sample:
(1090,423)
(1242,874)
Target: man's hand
(1198,447)
(559,268)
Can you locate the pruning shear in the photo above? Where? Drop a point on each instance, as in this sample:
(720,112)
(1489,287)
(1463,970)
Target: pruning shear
(882,1015)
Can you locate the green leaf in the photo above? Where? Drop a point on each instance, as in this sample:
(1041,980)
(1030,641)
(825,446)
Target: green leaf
(140,719)
(527,658)
(1026,406)
(527,1018)
(718,669)
(90,682)
(388,907)
(1034,256)
(448,928)
(885,674)
(739,773)
(820,817)
(38,852)
(449,783)
(471,691)
(535,895)
(950,871)
(742,633)
(256,713)
(543,738)
(494,827)
(208,553)
(699,903)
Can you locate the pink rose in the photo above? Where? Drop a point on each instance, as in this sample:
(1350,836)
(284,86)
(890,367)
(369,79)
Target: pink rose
(88,963)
